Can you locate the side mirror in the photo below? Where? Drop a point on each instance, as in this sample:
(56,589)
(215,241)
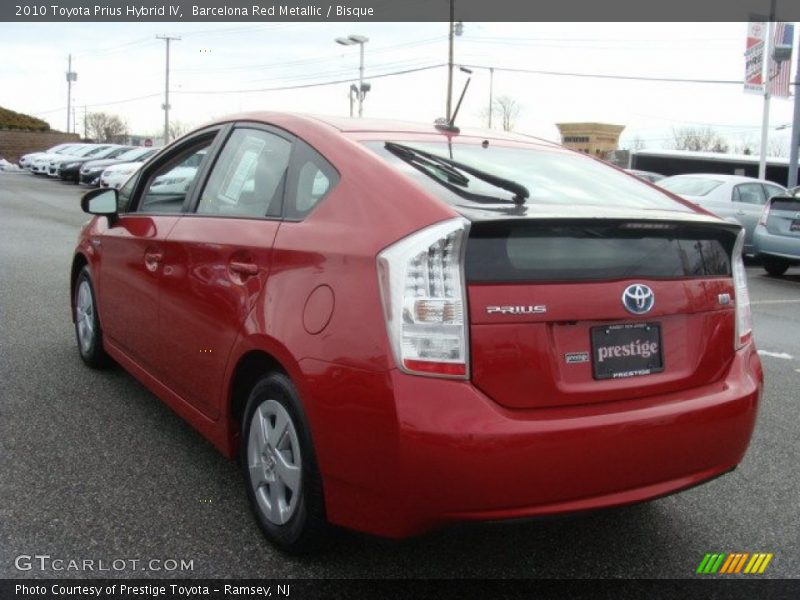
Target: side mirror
(100,202)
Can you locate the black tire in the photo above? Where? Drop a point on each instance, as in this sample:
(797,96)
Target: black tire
(90,348)
(775,266)
(305,529)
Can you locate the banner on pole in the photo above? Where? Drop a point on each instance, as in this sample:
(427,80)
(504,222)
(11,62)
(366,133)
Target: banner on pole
(754,57)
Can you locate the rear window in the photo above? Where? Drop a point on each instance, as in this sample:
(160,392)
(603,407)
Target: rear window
(785,204)
(551,177)
(516,251)
(689,186)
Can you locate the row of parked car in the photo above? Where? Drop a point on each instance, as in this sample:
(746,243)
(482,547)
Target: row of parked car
(96,165)
(769,213)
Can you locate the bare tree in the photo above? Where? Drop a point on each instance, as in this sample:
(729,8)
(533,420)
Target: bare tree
(745,145)
(177,129)
(698,139)
(635,143)
(103,127)
(778,147)
(507,110)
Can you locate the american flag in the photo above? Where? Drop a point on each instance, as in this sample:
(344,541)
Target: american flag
(779,72)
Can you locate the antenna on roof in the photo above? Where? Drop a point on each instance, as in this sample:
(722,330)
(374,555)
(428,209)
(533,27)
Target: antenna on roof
(442,124)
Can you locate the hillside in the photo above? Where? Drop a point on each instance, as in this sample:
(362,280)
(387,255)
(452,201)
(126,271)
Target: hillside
(14,120)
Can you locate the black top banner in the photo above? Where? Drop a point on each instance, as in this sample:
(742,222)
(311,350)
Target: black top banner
(397,10)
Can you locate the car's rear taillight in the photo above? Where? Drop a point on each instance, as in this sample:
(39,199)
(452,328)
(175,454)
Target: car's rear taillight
(424,299)
(765,214)
(744,321)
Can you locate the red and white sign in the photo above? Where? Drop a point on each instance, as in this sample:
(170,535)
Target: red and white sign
(754,58)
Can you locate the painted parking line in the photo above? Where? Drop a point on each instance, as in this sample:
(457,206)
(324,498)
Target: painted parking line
(775,302)
(782,355)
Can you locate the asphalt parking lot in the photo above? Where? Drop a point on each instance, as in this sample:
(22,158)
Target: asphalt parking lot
(95,467)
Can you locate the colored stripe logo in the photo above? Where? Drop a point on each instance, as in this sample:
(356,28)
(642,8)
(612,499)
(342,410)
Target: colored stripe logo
(736,562)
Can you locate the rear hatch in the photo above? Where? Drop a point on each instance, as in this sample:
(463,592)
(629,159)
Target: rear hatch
(570,311)
(783,216)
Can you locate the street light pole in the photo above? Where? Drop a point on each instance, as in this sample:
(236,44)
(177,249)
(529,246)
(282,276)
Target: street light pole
(450,60)
(71,76)
(166,106)
(762,163)
(491,92)
(362,87)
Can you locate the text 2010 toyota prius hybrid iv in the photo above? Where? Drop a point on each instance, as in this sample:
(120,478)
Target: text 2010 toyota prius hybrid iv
(398,326)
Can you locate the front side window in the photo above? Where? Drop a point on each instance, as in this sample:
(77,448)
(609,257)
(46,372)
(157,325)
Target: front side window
(168,185)
(249,177)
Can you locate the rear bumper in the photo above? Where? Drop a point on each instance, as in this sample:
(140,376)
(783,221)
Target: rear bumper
(456,455)
(782,246)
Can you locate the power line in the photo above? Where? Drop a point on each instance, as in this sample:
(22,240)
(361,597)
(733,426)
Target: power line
(313,60)
(308,85)
(270,89)
(602,76)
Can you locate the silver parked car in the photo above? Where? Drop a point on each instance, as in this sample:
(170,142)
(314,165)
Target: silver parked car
(777,235)
(732,197)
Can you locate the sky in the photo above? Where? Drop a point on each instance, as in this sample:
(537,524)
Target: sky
(213,61)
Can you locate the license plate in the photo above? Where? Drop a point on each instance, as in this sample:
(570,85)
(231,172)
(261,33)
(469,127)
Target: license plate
(794,225)
(626,350)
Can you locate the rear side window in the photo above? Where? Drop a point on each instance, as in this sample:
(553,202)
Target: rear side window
(503,251)
(313,178)
(773,190)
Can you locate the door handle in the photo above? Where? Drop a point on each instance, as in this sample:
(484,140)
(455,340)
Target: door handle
(740,213)
(243,268)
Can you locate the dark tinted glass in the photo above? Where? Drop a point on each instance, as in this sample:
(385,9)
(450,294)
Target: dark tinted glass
(552,176)
(515,251)
(785,204)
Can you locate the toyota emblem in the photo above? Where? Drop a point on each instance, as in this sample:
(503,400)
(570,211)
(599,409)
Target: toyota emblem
(638,298)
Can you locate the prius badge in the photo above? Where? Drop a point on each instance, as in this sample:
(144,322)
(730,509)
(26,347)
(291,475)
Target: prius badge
(537,309)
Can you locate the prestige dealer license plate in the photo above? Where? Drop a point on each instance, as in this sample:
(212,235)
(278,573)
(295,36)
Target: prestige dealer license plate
(626,350)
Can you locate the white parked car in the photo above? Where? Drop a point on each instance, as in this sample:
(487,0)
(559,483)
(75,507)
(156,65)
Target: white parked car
(40,161)
(732,197)
(26,159)
(115,176)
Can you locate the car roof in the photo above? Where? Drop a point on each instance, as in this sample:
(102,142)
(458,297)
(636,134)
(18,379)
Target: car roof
(354,126)
(725,177)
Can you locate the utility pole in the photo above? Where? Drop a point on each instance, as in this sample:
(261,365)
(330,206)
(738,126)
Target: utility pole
(450,61)
(795,139)
(85,129)
(165,106)
(491,94)
(71,76)
(762,163)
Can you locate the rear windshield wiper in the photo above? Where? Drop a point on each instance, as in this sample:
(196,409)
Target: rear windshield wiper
(454,171)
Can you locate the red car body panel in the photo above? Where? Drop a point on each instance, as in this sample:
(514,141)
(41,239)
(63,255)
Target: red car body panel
(398,453)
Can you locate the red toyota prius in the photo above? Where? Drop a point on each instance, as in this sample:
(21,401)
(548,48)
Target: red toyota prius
(396,326)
